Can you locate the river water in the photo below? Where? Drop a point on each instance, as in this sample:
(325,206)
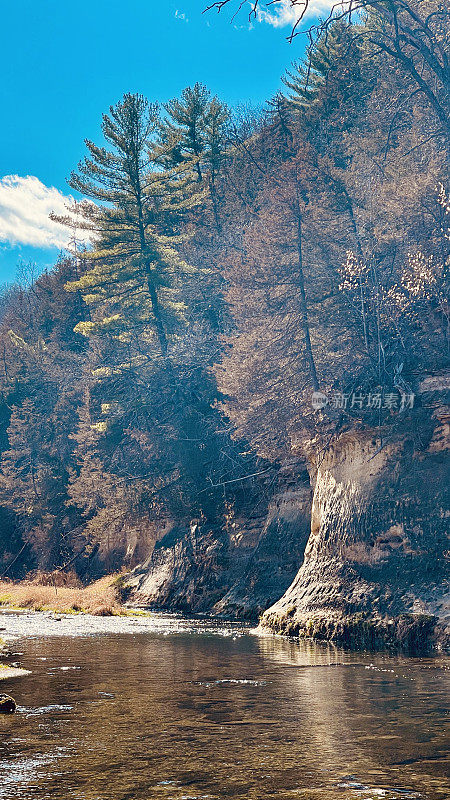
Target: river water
(171,709)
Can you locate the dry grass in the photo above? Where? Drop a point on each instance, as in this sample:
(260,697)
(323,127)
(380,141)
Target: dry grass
(42,594)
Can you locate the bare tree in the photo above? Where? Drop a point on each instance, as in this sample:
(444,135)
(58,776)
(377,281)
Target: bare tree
(415,34)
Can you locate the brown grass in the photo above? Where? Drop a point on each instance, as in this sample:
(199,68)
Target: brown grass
(41,593)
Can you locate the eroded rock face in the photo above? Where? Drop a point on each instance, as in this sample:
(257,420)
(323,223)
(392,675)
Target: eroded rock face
(366,565)
(276,557)
(186,570)
(235,571)
(374,569)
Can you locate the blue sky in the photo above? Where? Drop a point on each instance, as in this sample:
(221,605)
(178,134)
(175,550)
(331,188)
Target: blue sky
(63,64)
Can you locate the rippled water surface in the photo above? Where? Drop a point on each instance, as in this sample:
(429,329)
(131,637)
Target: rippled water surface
(135,709)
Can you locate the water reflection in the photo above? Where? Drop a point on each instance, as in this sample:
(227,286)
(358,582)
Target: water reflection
(181,716)
(383,719)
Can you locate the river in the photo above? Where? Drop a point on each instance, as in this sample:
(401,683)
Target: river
(174,709)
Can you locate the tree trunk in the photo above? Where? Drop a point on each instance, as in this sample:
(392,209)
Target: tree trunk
(157,314)
(161,333)
(303,305)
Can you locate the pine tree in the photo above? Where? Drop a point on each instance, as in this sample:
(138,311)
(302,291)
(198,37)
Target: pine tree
(329,81)
(183,131)
(135,273)
(144,341)
(193,132)
(215,148)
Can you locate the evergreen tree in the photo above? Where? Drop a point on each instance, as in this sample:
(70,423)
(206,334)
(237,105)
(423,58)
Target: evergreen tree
(150,404)
(215,148)
(193,132)
(135,272)
(329,84)
(183,131)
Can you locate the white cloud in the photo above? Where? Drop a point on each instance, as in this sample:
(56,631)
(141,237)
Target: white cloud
(286,12)
(25,206)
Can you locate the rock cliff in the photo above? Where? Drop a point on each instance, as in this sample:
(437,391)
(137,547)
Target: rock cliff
(236,570)
(375,569)
(365,565)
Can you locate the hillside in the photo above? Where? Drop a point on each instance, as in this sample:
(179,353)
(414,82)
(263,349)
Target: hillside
(238,390)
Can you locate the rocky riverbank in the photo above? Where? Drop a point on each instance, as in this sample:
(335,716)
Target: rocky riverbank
(236,571)
(375,570)
(354,550)
(357,553)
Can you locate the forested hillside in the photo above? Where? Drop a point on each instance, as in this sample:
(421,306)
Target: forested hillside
(157,384)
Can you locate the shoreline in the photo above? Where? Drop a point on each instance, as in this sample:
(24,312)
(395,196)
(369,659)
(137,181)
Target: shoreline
(7,672)
(26,624)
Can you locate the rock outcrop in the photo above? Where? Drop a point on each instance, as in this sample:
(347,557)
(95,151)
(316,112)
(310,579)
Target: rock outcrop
(375,570)
(366,565)
(276,557)
(186,571)
(236,570)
